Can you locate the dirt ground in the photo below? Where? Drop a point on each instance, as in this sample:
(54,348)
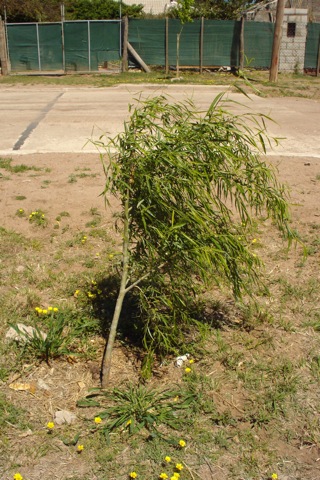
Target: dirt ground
(74,183)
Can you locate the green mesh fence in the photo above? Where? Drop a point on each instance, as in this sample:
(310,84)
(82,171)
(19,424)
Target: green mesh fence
(39,46)
(148,39)
(90,44)
(50,42)
(220,41)
(189,52)
(312,45)
(258,40)
(76,45)
(35,46)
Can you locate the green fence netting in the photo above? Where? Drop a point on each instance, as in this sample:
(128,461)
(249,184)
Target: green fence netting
(70,46)
(90,44)
(148,39)
(189,42)
(50,46)
(258,40)
(220,41)
(35,46)
(312,45)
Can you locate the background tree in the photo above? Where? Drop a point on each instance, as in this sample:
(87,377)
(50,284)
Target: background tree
(184,12)
(217,9)
(32,10)
(101,9)
(189,186)
(50,10)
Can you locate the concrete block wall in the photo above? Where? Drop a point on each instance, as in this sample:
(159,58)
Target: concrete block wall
(292,48)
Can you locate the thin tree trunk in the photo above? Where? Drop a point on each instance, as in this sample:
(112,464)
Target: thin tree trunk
(107,354)
(178,54)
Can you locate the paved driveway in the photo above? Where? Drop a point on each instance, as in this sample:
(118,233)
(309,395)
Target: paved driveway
(62,119)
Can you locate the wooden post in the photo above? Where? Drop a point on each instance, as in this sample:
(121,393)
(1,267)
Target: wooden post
(201,44)
(137,57)
(3,50)
(273,77)
(125,45)
(241,44)
(318,62)
(167,46)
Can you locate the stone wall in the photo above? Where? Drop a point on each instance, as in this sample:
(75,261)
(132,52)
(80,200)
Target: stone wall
(293,40)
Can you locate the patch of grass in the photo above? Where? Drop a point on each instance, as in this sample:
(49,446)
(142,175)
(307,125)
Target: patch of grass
(72,178)
(287,85)
(135,408)
(9,414)
(20,212)
(38,218)
(5,163)
(20,197)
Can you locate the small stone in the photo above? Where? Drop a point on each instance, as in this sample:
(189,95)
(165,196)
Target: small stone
(64,416)
(24,333)
(43,385)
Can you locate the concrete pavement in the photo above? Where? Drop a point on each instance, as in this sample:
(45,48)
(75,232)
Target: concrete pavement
(46,119)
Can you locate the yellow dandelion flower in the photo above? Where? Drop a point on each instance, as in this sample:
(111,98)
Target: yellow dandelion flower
(111,256)
(44,312)
(182,443)
(133,474)
(55,309)
(254,240)
(167,459)
(76,293)
(191,360)
(50,309)
(80,448)
(274,476)
(17,476)
(163,475)
(50,425)
(176,398)
(128,423)
(187,370)
(179,466)
(97,420)
(176,475)
(40,311)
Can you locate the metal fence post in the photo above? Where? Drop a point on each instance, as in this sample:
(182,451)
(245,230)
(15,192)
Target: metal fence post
(89,47)
(201,45)
(167,46)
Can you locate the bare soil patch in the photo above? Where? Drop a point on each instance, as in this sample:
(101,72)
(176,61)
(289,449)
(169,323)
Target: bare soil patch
(68,190)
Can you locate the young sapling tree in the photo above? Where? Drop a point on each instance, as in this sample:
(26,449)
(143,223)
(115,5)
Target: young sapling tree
(190,184)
